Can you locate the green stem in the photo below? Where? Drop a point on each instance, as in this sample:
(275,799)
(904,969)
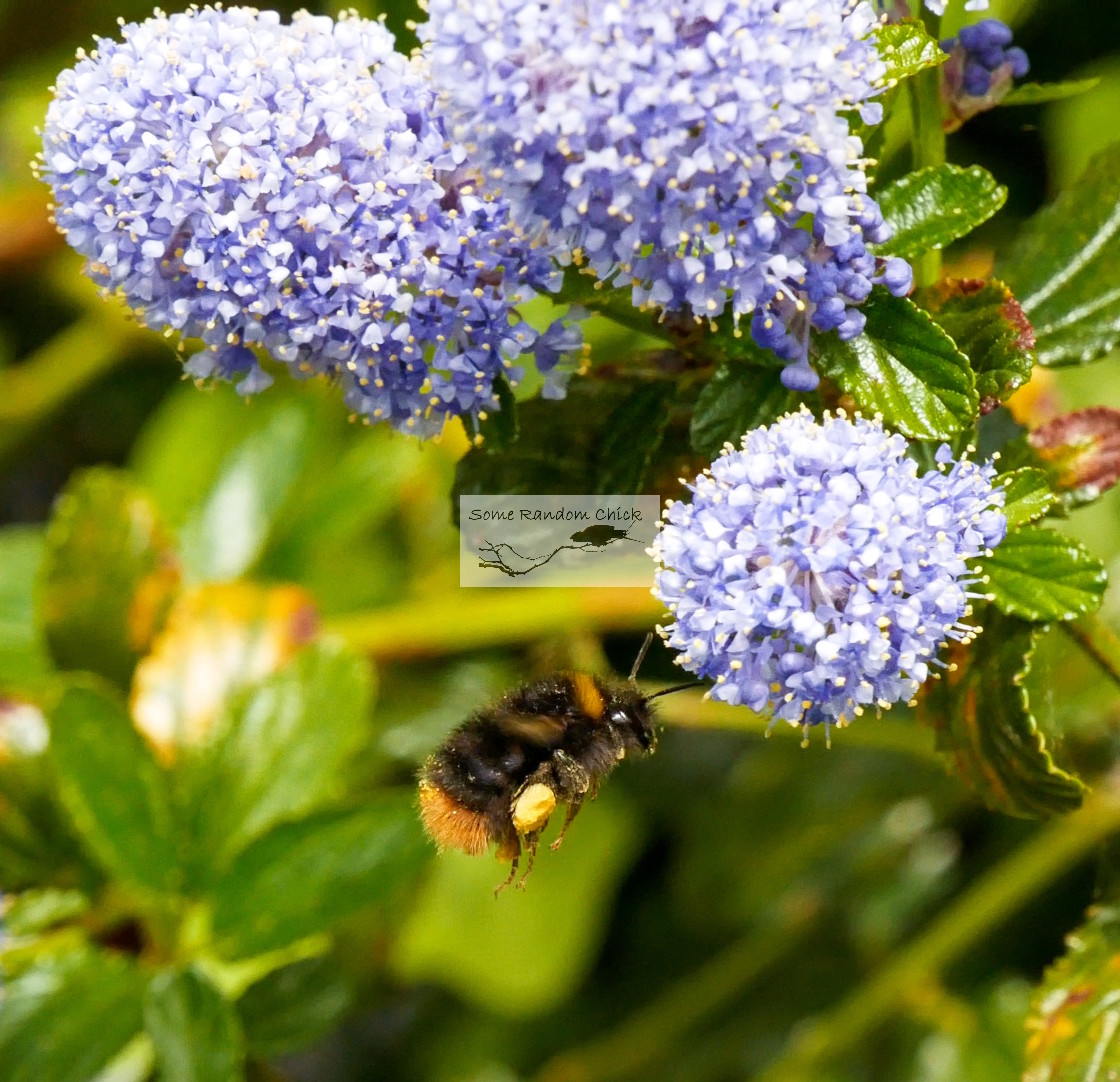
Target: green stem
(984,906)
(1099,641)
(644,1038)
(928,142)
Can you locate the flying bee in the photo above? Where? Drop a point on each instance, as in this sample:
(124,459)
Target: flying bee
(499,776)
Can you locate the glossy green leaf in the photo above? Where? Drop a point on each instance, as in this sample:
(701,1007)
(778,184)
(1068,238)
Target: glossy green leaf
(108,574)
(301,878)
(1027,496)
(1040,93)
(281,752)
(194,1030)
(64,1021)
(556,924)
(905,367)
(1074,1024)
(36,910)
(1065,269)
(633,432)
(982,713)
(907,48)
(23,654)
(935,206)
(1038,574)
(734,401)
(989,327)
(293,1006)
(226,534)
(114,790)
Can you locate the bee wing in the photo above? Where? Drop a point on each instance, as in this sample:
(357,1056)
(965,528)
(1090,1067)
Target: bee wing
(541,729)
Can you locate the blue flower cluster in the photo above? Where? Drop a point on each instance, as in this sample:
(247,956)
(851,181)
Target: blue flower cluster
(696,151)
(985,56)
(287,186)
(815,572)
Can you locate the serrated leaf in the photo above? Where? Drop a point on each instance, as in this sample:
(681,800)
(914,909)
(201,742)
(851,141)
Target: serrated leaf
(23,653)
(905,367)
(282,751)
(935,206)
(114,790)
(989,327)
(109,573)
(315,872)
(981,711)
(1065,270)
(907,48)
(734,401)
(236,634)
(1027,496)
(1074,1023)
(227,532)
(1038,574)
(293,1006)
(634,430)
(63,1022)
(1040,93)
(195,1031)
(1082,449)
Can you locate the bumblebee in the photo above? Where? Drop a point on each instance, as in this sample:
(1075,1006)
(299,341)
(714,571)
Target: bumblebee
(499,776)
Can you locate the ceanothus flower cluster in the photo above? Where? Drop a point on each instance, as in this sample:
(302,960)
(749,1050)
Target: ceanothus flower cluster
(696,151)
(287,186)
(815,572)
(982,65)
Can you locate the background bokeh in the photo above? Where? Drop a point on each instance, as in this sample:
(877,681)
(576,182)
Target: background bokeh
(713,897)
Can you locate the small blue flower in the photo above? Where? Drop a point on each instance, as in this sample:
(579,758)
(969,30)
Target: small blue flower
(815,573)
(286,187)
(697,152)
(982,65)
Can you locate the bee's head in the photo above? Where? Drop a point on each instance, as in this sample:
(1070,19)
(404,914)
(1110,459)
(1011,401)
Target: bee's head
(632,717)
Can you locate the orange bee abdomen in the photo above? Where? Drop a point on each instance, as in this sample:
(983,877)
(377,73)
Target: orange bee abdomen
(450,825)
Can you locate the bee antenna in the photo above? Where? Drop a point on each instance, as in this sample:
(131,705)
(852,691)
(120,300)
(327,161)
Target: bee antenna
(671,691)
(640,658)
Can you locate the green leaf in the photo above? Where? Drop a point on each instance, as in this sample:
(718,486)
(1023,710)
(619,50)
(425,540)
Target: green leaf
(36,910)
(227,532)
(1038,574)
(573,446)
(634,430)
(194,1030)
(906,48)
(116,793)
(109,572)
(1065,270)
(23,654)
(294,1006)
(989,327)
(735,400)
(981,710)
(63,1022)
(315,872)
(282,751)
(935,206)
(905,367)
(1040,93)
(1074,1019)
(1027,496)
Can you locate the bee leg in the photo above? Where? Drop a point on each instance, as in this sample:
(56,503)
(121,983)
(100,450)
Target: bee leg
(510,849)
(531,841)
(573,776)
(573,810)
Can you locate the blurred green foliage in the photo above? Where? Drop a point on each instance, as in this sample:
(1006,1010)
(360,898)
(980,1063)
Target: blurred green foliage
(227,866)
